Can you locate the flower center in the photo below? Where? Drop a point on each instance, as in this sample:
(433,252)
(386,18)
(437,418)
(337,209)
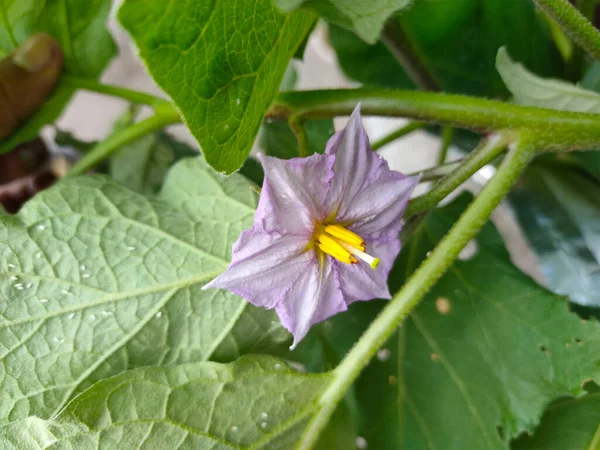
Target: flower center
(343,245)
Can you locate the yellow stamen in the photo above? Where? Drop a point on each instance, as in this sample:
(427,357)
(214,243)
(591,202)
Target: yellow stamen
(330,246)
(346,236)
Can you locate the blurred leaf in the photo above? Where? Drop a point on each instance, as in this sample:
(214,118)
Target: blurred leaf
(573,424)
(96,279)
(366,18)
(458,41)
(221,63)
(531,90)
(80,29)
(559,210)
(256,402)
(478,360)
(253,171)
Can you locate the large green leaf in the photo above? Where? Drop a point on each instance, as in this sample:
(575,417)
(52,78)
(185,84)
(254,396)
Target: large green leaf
(572,424)
(366,18)
(256,402)
(80,29)
(458,41)
(220,61)
(96,279)
(478,360)
(557,205)
(559,210)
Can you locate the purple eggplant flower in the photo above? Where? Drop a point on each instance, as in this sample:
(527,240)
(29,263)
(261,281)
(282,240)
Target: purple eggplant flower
(325,234)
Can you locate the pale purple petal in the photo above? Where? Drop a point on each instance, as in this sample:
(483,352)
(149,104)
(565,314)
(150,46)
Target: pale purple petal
(356,165)
(315,296)
(377,210)
(293,193)
(264,267)
(360,282)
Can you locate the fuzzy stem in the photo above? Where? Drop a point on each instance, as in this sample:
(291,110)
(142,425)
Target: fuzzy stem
(447,133)
(402,131)
(105,148)
(115,91)
(574,24)
(421,281)
(486,152)
(402,48)
(555,130)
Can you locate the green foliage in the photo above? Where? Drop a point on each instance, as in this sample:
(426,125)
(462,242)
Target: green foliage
(559,211)
(221,69)
(478,360)
(567,425)
(97,279)
(457,39)
(78,27)
(256,402)
(365,18)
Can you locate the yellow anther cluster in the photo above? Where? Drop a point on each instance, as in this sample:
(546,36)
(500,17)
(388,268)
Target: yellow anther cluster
(344,245)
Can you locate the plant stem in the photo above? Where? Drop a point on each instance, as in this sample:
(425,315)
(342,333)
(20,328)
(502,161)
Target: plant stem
(421,281)
(555,130)
(575,66)
(115,91)
(401,46)
(438,171)
(486,152)
(447,133)
(574,24)
(105,148)
(402,131)
(297,125)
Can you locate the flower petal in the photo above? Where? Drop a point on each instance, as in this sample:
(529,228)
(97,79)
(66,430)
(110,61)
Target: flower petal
(314,297)
(293,193)
(377,210)
(356,165)
(360,282)
(264,267)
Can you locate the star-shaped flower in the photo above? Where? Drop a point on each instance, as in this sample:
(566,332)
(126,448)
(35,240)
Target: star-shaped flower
(325,234)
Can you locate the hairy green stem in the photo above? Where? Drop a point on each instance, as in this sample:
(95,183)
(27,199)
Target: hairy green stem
(421,281)
(105,148)
(576,63)
(115,91)
(402,131)
(402,48)
(574,24)
(447,134)
(486,152)
(437,172)
(297,125)
(555,130)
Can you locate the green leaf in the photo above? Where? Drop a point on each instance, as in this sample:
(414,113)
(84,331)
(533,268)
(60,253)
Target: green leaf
(365,18)
(478,360)
(458,41)
(531,90)
(572,424)
(256,402)
(221,62)
(80,29)
(559,210)
(96,279)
